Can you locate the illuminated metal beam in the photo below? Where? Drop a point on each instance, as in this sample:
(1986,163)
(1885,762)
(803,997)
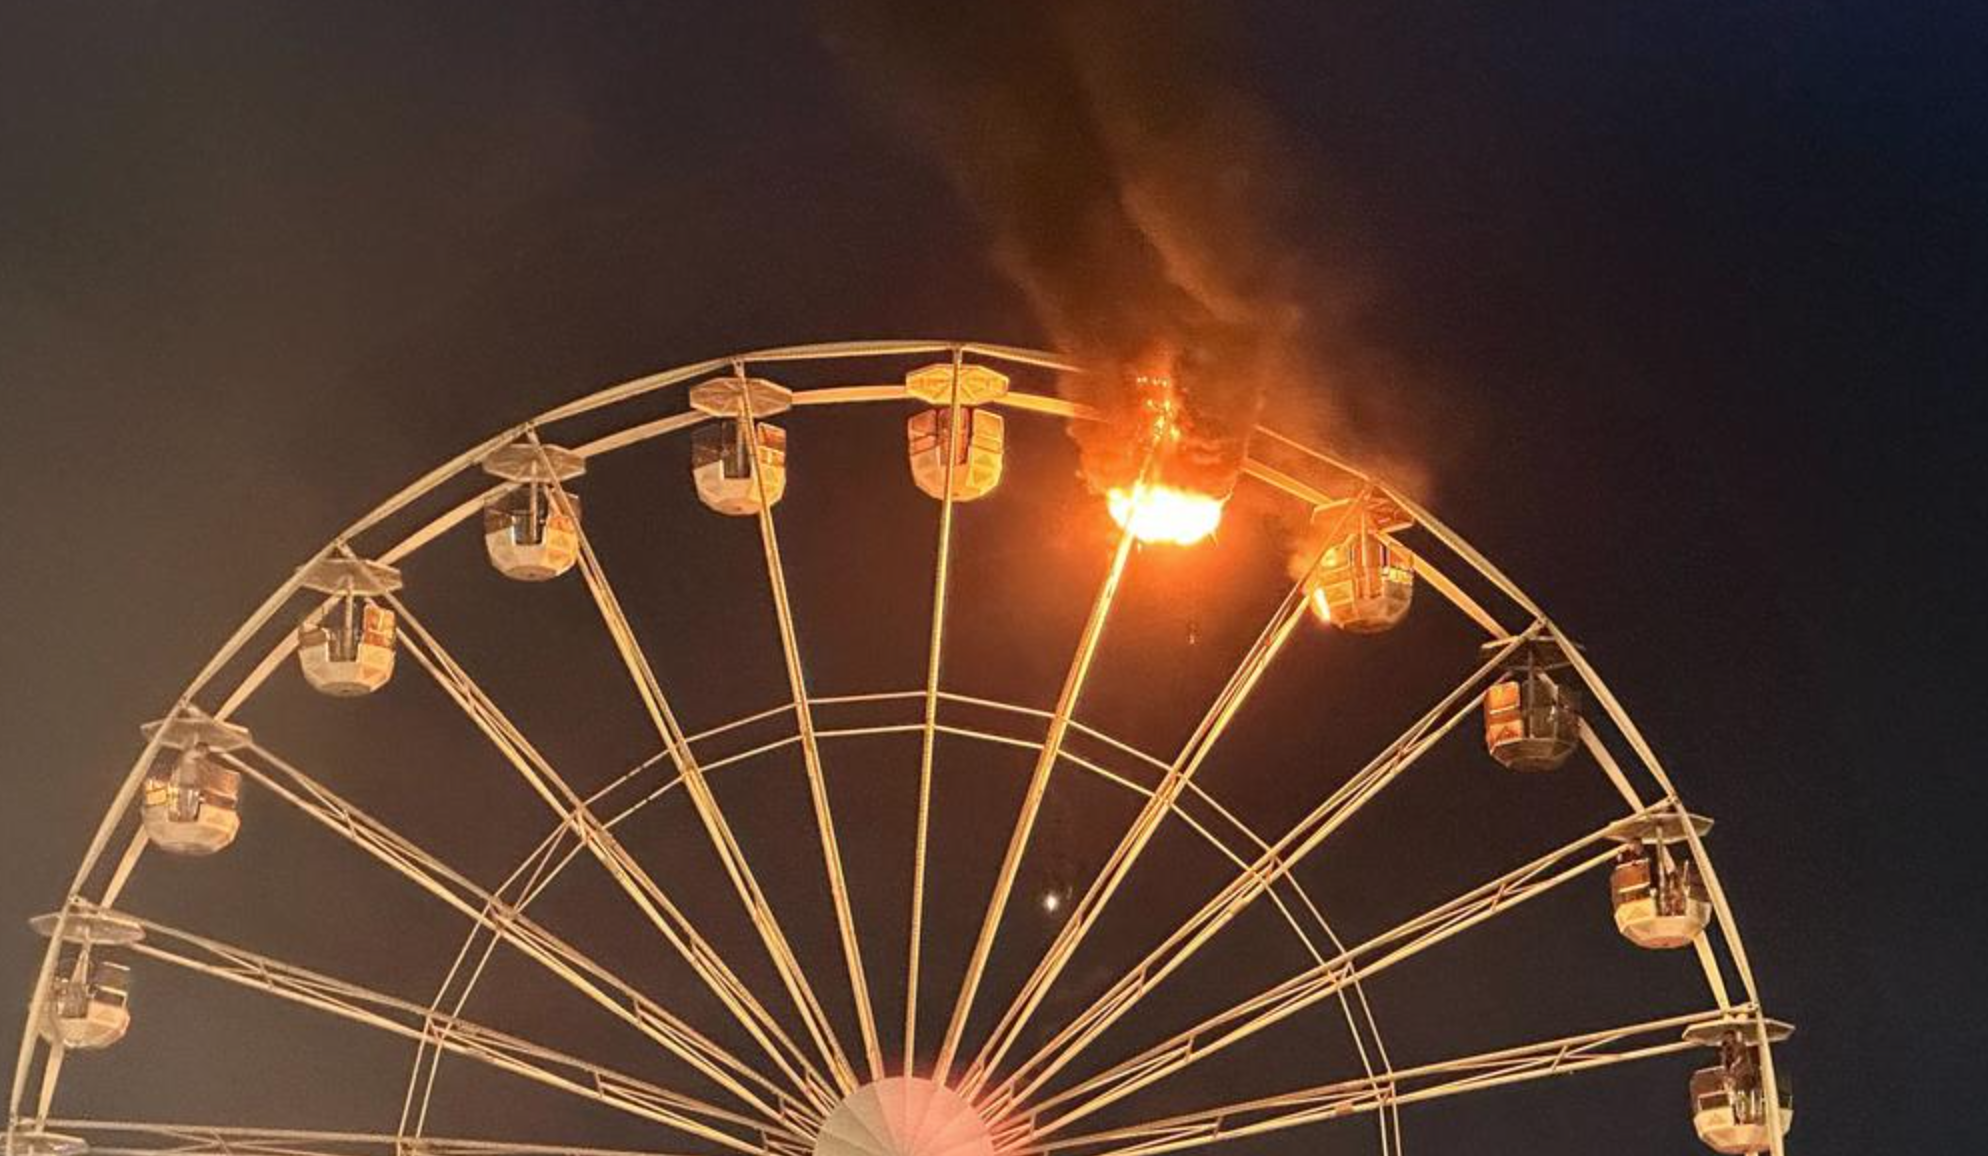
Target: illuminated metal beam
(824,812)
(506,923)
(154,1138)
(462,977)
(929,735)
(1052,746)
(634,881)
(1427,571)
(1214,723)
(1251,884)
(411,1020)
(759,909)
(1349,1098)
(1288,997)
(528,881)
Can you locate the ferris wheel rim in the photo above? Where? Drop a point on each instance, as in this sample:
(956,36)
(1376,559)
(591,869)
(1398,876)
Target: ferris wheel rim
(643,386)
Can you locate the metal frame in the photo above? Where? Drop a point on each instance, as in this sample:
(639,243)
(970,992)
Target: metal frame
(134,1138)
(776,1111)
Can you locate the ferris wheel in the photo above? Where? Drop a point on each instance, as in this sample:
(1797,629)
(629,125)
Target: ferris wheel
(971,977)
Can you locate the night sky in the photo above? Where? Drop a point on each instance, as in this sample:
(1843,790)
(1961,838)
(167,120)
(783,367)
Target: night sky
(1677,314)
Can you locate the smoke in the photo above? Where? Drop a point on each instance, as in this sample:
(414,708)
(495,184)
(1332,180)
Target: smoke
(1131,190)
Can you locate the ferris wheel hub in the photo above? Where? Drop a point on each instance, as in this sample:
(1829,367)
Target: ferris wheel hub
(904,1116)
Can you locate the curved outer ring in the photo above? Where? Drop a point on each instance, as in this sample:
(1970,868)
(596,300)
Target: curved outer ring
(468,461)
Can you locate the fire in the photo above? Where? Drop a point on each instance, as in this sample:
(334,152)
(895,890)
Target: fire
(1320,606)
(1165,513)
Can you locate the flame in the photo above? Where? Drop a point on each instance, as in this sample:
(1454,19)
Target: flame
(1320,606)
(1165,514)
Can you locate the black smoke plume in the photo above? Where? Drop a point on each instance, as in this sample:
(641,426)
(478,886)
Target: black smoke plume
(1130,189)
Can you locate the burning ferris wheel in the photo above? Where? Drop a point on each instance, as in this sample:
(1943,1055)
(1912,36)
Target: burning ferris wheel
(967,977)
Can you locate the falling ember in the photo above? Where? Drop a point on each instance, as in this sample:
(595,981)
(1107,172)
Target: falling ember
(1165,513)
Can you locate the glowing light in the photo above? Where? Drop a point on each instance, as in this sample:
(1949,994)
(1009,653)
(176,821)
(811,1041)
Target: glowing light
(1051,902)
(1165,514)
(1320,606)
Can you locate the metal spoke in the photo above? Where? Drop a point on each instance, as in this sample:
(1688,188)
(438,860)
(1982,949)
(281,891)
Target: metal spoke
(506,923)
(1336,1101)
(1052,746)
(641,888)
(411,1020)
(149,1138)
(1282,1000)
(1426,571)
(419,1095)
(662,716)
(537,872)
(1214,723)
(790,652)
(1251,884)
(928,739)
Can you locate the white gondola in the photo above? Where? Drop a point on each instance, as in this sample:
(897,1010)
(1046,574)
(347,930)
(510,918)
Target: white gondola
(87,1005)
(190,802)
(1363,582)
(728,480)
(192,807)
(1656,890)
(531,532)
(731,477)
(1729,1101)
(974,445)
(1532,720)
(346,646)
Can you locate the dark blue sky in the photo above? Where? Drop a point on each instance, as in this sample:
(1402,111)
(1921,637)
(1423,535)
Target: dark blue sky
(1687,300)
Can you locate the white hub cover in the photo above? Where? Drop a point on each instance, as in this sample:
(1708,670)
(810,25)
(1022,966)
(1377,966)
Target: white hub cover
(904,1116)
